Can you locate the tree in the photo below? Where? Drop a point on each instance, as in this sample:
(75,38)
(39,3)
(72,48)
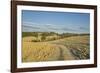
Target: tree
(35,34)
(43,38)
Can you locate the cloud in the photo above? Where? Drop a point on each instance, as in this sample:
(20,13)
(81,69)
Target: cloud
(84,28)
(49,24)
(69,29)
(29,26)
(33,27)
(29,23)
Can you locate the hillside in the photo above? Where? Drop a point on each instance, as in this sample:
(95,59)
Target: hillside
(73,47)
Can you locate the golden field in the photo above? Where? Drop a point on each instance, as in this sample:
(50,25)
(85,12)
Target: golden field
(55,47)
(39,51)
(69,48)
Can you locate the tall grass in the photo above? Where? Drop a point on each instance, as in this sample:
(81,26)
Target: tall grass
(39,52)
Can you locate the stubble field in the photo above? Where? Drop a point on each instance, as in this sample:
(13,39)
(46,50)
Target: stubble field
(68,48)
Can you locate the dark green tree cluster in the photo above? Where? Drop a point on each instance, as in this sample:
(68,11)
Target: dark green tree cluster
(25,34)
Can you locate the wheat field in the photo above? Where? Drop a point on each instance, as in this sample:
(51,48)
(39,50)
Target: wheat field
(70,48)
(39,52)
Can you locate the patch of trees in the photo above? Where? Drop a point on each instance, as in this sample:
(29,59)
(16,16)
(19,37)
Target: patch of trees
(25,34)
(63,35)
(35,34)
(43,35)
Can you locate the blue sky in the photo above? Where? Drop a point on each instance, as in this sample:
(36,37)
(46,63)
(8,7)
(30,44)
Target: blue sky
(60,22)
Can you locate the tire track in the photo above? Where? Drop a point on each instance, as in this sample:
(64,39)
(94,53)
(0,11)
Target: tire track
(65,53)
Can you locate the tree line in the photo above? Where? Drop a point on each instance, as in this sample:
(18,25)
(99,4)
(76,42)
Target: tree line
(46,34)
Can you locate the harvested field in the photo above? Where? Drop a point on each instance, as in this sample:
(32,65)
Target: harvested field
(70,48)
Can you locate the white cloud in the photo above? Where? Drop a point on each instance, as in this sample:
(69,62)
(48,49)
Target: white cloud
(33,27)
(49,24)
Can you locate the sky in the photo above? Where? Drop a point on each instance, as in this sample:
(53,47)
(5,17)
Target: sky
(59,22)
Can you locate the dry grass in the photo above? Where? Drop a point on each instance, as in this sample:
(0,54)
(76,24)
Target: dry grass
(28,39)
(71,48)
(39,52)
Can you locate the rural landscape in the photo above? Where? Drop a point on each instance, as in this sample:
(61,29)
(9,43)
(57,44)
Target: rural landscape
(50,46)
(55,36)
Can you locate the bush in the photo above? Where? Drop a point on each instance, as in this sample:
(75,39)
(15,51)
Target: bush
(35,40)
(43,38)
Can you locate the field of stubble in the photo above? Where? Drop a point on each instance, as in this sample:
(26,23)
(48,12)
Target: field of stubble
(70,48)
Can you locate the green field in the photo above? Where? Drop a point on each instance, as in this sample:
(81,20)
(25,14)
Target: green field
(50,46)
